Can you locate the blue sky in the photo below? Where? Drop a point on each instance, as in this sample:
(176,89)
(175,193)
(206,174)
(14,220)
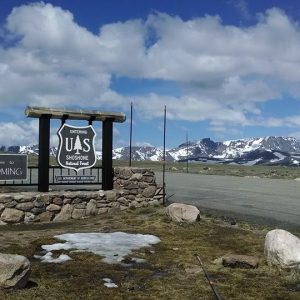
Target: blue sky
(225,69)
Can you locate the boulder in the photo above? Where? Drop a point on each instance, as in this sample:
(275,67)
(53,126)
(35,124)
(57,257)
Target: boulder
(238,261)
(11,215)
(124,173)
(65,213)
(57,201)
(53,208)
(136,177)
(46,216)
(283,249)
(25,206)
(149,191)
(14,271)
(111,195)
(91,208)
(179,212)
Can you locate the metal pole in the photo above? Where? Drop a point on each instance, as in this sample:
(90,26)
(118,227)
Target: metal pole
(187,152)
(164,157)
(130,140)
(211,283)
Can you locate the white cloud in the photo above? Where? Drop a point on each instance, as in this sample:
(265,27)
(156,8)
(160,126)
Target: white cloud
(224,71)
(23,133)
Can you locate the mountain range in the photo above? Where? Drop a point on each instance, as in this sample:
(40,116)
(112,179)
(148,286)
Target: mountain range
(269,150)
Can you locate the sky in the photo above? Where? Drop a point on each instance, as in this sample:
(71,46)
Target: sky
(224,69)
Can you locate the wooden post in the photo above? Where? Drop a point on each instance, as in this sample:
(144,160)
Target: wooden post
(107,145)
(44,143)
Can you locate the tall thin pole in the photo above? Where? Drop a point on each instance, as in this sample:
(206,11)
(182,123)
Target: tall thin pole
(164,156)
(130,142)
(187,152)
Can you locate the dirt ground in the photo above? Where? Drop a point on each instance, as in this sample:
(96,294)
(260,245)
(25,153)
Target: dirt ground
(171,270)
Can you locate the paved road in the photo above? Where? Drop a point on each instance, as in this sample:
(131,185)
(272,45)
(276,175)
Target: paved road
(271,201)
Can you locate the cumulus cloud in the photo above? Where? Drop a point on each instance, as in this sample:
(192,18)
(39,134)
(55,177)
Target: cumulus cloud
(23,133)
(223,71)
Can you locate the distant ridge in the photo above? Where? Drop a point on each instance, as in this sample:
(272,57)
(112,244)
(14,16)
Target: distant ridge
(270,150)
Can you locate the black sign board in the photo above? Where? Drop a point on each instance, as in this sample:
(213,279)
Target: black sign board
(76,147)
(13,167)
(68,178)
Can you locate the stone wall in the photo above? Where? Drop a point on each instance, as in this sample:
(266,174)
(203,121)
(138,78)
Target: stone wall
(133,187)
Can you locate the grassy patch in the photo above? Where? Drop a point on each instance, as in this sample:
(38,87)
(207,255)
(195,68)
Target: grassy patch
(163,275)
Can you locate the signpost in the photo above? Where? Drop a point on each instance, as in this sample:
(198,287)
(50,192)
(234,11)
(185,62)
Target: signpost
(76,147)
(13,166)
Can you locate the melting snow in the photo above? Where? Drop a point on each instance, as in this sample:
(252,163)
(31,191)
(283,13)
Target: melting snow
(113,246)
(109,283)
(48,258)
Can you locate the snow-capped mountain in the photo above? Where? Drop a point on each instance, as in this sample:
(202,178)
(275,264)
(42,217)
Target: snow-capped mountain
(253,151)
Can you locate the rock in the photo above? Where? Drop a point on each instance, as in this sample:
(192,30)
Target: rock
(57,201)
(77,200)
(25,206)
(53,208)
(46,216)
(38,203)
(111,195)
(124,173)
(80,205)
(123,200)
(29,217)
(11,204)
(149,191)
(2,207)
(136,177)
(143,185)
(238,261)
(115,204)
(179,212)
(44,198)
(67,201)
(65,213)
(14,271)
(78,213)
(130,185)
(101,194)
(4,198)
(38,210)
(91,208)
(11,215)
(283,249)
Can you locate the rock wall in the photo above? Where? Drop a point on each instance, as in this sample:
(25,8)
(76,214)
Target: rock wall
(133,187)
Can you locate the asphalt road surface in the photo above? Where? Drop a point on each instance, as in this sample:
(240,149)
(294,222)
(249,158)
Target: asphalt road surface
(265,201)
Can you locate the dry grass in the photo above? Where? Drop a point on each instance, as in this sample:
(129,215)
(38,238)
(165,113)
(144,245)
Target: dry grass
(163,276)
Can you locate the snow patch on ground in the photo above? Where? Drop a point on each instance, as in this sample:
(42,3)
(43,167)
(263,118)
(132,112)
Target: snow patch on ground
(48,258)
(109,283)
(113,246)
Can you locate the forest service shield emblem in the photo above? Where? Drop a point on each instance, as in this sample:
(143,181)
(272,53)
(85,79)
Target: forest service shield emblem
(76,147)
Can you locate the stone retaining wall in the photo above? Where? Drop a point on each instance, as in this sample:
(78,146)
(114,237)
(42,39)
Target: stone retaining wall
(132,188)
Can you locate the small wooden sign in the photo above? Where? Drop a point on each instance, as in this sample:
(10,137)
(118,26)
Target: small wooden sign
(13,166)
